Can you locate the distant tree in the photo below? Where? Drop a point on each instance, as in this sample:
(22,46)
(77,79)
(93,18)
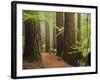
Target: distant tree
(47,37)
(79,26)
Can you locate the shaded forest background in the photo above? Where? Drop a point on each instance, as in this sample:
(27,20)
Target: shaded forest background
(63,34)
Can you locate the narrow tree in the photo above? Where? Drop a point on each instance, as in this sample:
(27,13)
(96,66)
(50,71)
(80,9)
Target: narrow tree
(78,26)
(47,37)
(60,38)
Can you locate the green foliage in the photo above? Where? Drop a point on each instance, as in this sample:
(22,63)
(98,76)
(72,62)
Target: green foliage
(49,17)
(82,47)
(54,51)
(84,44)
(29,15)
(39,16)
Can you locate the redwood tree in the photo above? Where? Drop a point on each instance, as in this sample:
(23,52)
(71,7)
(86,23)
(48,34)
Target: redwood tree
(60,38)
(32,42)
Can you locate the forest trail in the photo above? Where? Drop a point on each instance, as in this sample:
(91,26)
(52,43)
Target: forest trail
(49,61)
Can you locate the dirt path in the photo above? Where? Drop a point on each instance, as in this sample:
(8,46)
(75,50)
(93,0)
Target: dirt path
(49,61)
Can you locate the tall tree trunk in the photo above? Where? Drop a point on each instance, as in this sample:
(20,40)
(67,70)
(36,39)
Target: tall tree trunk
(47,37)
(60,38)
(79,26)
(69,37)
(32,42)
(69,33)
(54,38)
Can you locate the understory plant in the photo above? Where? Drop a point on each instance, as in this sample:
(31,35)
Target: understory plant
(84,48)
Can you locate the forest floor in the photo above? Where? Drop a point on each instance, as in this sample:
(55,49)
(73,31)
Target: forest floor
(48,60)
